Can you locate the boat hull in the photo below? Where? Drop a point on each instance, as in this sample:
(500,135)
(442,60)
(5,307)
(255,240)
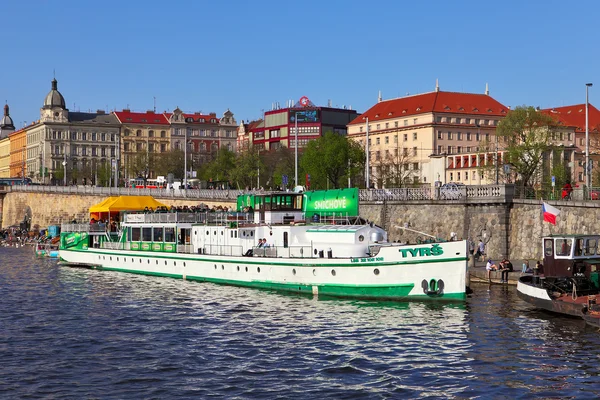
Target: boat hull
(419,280)
(531,292)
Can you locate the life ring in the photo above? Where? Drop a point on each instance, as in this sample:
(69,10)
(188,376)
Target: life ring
(304,102)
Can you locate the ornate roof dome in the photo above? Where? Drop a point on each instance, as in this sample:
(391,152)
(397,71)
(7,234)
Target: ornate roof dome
(54,98)
(6,122)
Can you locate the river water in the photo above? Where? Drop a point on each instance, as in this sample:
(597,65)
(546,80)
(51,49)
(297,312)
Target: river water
(78,333)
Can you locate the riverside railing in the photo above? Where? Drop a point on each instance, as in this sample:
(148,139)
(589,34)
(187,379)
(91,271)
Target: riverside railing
(463,193)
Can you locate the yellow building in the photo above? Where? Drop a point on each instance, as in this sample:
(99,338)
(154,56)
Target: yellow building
(18,144)
(413,139)
(5,157)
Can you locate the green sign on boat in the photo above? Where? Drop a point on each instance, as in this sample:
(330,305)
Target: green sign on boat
(340,202)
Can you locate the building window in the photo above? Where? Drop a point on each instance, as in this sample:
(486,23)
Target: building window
(569,136)
(458,136)
(138,133)
(414,135)
(451,177)
(405,137)
(487,137)
(414,151)
(469,136)
(387,125)
(440,135)
(466,176)
(415,121)
(459,149)
(387,140)
(377,126)
(404,151)
(361,129)
(450,135)
(395,124)
(395,138)
(377,140)
(416,166)
(477,137)
(458,176)
(405,122)
(439,150)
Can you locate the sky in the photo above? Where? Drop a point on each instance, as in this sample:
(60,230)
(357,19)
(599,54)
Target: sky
(211,56)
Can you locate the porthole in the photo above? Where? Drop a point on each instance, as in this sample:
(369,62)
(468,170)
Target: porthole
(271,233)
(294,271)
(215,266)
(246,269)
(156,262)
(111,259)
(140,260)
(148,261)
(361,238)
(174,263)
(207,232)
(238,268)
(117,259)
(333,272)
(258,269)
(221,233)
(314,272)
(315,252)
(196,233)
(165,262)
(215,232)
(132,259)
(184,263)
(222,267)
(376,271)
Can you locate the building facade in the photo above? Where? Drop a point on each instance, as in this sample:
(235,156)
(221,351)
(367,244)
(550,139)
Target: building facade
(18,145)
(71,147)
(279,125)
(205,133)
(145,135)
(418,138)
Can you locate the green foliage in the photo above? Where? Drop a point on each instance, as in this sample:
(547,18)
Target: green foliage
(220,169)
(528,133)
(330,160)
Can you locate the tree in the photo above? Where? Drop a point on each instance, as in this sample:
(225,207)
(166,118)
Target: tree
(396,169)
(247,165)
(331,159)
(278,162)
(220,169)
(527,134)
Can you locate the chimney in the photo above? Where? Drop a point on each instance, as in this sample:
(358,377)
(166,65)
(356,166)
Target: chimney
(487,89)
(379,99)
(437,85)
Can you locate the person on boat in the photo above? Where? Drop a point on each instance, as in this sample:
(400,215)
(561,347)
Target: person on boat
(260,243)
(565,248)
(566,191)
(505,267)
(489,267)
(538,269)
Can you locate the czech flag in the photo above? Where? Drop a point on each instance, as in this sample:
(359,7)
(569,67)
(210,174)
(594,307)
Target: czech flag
(550,213)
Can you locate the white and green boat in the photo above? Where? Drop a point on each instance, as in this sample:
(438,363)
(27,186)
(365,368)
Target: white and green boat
(316,244)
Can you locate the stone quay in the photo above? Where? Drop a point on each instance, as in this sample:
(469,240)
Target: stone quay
(510,226)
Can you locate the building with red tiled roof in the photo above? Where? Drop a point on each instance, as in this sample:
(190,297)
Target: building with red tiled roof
(206,133)
(409,135)
(244,133)
(570,135)
(143,135)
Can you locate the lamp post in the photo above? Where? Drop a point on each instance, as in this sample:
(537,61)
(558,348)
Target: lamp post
(116,160)
(497,161)
(367,172)
(64,165)
(296,148)
(588,169)
(185,145)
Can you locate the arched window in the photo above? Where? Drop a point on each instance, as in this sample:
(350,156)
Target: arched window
(151,133)
(138,132)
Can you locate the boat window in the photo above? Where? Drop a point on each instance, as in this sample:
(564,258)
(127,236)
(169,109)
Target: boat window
(146,234)
(563,247)
(548,247)
(170,235)
(136,234)
(157,234)
(578,247)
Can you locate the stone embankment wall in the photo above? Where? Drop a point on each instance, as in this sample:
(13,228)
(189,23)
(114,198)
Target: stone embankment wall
(53,209)
(511,229)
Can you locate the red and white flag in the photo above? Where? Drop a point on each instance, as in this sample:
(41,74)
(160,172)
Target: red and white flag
(550,213)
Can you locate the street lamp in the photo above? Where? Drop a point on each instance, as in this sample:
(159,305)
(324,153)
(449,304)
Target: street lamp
(296,148)
(185,146)
(367,172)
(64,165)
(588,169)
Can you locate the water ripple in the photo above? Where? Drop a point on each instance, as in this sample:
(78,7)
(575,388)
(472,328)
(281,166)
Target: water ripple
(78,333)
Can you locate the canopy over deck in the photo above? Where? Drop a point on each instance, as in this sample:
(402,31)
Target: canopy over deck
(125,203)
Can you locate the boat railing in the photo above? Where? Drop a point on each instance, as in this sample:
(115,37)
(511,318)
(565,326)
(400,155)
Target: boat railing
(184,248)
(209,218)
(222,250)
(92,227)
(284,252)
(113,246)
